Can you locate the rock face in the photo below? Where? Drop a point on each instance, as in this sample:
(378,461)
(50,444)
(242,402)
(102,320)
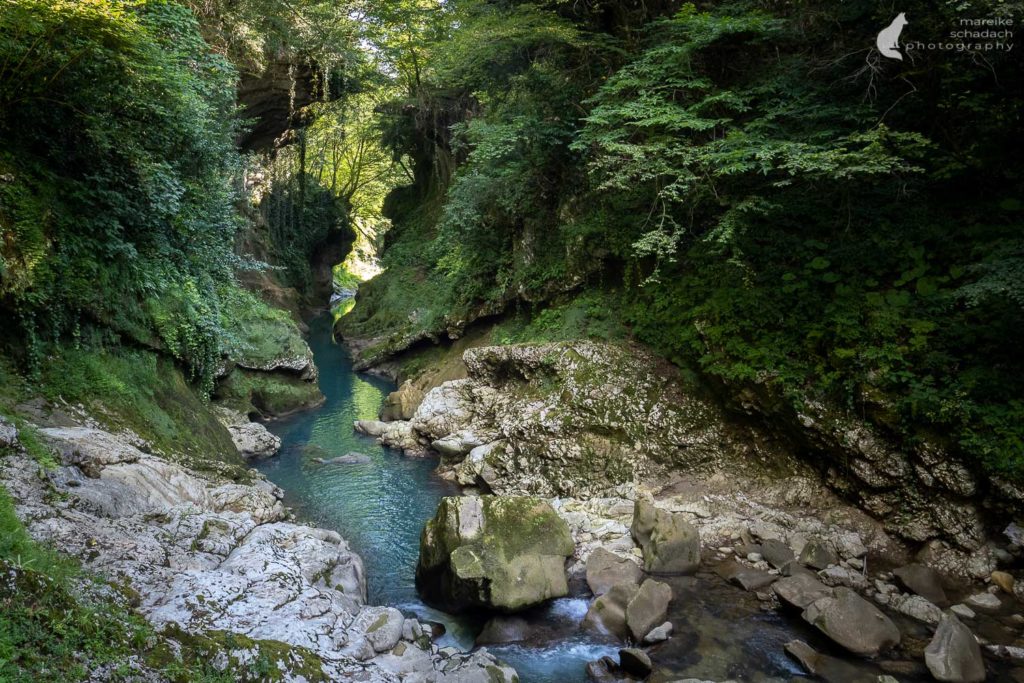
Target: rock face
(501,553)
(252,439)
(852,622)
(572,419)
(954,655)
(671,545)
(209,555)
(402,403)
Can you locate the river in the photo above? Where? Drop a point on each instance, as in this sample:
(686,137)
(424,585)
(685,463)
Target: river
(380,507)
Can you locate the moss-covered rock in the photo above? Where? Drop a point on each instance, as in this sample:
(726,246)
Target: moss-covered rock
(267,394)
(501,553)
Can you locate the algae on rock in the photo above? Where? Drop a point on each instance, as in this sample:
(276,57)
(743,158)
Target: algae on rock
(502,553)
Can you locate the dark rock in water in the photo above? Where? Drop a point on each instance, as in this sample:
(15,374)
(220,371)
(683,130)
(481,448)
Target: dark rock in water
(852,622)
(828,668)
(747,578)
(671,545)
(603,670)
(504,630)
(954,655)
(349,459)
(923,581)
(800,590)
(818,554)
(605,569)
(635,662)
(648,608)
(777,553)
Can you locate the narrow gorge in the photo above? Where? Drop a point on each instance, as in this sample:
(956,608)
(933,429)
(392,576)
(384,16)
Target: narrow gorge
(488,341)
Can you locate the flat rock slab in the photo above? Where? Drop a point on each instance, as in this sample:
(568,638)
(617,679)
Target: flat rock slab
(800,590)
(852,622)
(747,578)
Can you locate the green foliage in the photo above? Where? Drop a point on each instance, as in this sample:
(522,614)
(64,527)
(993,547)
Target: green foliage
(116,203)
(783,206)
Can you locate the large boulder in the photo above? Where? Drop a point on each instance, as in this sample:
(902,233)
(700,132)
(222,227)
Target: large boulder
(501,553)
(852,622)
(670,544)
(605,569)
(954,655)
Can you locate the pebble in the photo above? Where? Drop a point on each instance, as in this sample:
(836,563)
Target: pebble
(754,557)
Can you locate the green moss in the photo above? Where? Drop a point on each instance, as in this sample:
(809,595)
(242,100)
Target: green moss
(144,392)
(266,393)
(257,334)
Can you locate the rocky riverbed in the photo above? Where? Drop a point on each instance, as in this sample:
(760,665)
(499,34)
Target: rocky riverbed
(622,452)
(207,555)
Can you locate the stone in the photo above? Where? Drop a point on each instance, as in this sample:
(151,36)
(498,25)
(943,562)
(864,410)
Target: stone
(505,553)
(953,654)
(747,578)
(800,590)
(605,569)
(635,662)
(251,439)
(207,554)
(817,553)
(659,634)
(836,575)
(402,403)
(830,669)
(603,670)
(8,434)
(916,607)
(670,544)
(1004,580)
(648,608)
(504,629)
(923,581)
(986,602)
(607,614)
(777,553)
(852,622)
(380,626)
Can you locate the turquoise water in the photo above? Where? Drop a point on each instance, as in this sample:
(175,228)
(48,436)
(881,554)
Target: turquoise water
(380,508)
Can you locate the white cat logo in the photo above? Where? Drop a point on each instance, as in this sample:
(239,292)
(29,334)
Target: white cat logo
(888,41)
